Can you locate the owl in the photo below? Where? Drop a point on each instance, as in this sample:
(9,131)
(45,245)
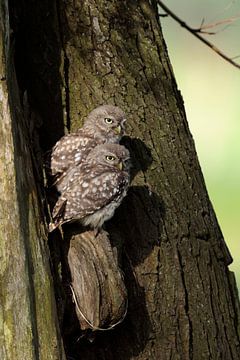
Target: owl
(105,124)
(95,188)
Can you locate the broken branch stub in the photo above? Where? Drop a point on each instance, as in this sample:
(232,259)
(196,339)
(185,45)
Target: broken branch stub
(98,289)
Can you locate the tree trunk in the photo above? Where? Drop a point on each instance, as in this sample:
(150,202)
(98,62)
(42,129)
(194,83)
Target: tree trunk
(29,325)
(71,57)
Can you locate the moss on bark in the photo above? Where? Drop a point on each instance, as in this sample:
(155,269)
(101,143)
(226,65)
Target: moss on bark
(29,327)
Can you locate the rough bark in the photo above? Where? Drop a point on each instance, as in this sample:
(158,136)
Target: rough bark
(28,320)
(183,301)
(182,304)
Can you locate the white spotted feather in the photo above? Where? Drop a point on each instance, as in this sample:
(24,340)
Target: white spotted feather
(72,149)
(95,188)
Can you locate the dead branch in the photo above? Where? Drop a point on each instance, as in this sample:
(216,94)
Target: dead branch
(197,32)
(220,22)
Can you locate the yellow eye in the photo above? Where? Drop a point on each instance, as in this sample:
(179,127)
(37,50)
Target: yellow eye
(108,121)
(110,158)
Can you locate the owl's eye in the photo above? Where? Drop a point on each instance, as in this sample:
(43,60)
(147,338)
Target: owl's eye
(108,121)
(110,158)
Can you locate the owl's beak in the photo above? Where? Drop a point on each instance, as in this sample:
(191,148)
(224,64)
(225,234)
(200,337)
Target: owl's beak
(120,165)
(118,130)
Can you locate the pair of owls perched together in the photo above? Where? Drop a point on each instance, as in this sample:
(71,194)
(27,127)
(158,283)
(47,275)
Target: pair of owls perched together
(90,169)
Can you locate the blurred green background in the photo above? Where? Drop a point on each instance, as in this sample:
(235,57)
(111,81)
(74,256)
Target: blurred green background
(211,91)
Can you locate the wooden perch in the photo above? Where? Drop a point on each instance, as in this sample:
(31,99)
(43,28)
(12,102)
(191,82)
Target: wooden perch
(98,289)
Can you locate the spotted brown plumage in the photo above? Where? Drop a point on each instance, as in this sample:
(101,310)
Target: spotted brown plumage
(95,188)
(105,124)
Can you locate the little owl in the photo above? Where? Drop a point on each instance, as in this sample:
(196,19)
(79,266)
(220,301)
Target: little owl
(105,124)
(95,188)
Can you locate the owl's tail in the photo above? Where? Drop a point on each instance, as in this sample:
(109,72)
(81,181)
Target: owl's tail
(58,215)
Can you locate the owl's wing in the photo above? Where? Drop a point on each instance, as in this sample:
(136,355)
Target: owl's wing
(55,159)
(70,150)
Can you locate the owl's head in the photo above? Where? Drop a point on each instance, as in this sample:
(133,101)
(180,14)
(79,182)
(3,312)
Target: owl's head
(106,121)
(110,155)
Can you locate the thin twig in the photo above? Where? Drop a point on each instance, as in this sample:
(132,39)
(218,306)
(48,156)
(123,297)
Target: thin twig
(220,22)
(195,32)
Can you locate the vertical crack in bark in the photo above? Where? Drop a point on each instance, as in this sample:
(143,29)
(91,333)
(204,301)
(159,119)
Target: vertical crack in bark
(186,307)
(206,290)
(66,64)
(66,87)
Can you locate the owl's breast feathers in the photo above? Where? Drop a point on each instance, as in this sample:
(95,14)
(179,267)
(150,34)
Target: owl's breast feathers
(100,204)
(86,197)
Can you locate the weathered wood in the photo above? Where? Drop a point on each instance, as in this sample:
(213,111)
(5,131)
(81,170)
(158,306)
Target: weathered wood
(181,302)
(99,292)
(28,321)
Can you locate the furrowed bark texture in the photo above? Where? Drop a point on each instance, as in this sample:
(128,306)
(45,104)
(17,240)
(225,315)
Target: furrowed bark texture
(28,320)
(72,56)
(182,302)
